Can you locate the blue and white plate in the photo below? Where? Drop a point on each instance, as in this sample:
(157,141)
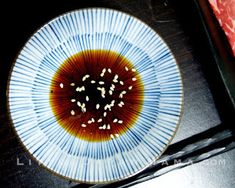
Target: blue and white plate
(66,154)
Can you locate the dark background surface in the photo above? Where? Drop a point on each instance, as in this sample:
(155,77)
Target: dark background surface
(205,105)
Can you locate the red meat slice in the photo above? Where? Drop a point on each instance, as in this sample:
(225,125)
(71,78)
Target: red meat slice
(224,11)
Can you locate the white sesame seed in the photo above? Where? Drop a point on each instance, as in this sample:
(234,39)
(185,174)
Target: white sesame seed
(119,105)
(83,125)
(93,120)
(72,112)
(130,87)
(121,95)
(85,77)
(121,102)
(83,105)
(133,70)
(134,79)
(101,82)
(73,100)
(99,120)
(123,92)
(104,70)
(89,121)
(100,127)
(105,114)
(84,109)
(87,98)
(108,126)
(126,68)
(79,89)
(104,126)
(109,70)
(120,121)
(112,103)
(111,135)
(99,88)
(79,104)
(117,135)
(110,92)
(61,85)
(97,106)
(121,82)
(72,84)
(92,81)
(116,77)
(115,120)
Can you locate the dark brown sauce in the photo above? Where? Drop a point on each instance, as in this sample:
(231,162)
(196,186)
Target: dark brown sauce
(81,112)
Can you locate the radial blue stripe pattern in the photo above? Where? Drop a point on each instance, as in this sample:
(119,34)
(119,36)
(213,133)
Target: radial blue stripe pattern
(67,155)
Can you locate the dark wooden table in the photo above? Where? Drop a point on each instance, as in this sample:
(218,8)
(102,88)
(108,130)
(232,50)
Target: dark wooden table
(178,26)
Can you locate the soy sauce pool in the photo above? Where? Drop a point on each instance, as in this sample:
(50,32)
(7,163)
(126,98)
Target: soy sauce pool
(96,95)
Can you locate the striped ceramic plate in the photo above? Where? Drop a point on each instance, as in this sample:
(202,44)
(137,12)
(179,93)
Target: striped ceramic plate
(95,95)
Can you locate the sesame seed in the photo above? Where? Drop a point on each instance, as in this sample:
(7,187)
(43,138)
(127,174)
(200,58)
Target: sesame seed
(121,82)
(133,70)
(99,120)
(79,89)
(61,85)
(119,105)
(110,92)
(92,81)
(111,135)
(83,125)
(116,77)
(112,103)
(117,135)
(97,106)
(79,104)
(104,126)
(109,70)
(126,68)
(85,77)
(73,100)
(105,114)
(134,79)
(100,127)
(72,84)
(87,98)
(130,87)
(104,70)
(108,126)
(101,82)
(72,112)
(89,121)
(115,120)
(120,121)
(93,120)
(84,109)
(122,103)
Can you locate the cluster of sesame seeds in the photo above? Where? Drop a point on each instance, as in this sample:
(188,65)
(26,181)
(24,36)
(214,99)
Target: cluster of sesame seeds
(105,90)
